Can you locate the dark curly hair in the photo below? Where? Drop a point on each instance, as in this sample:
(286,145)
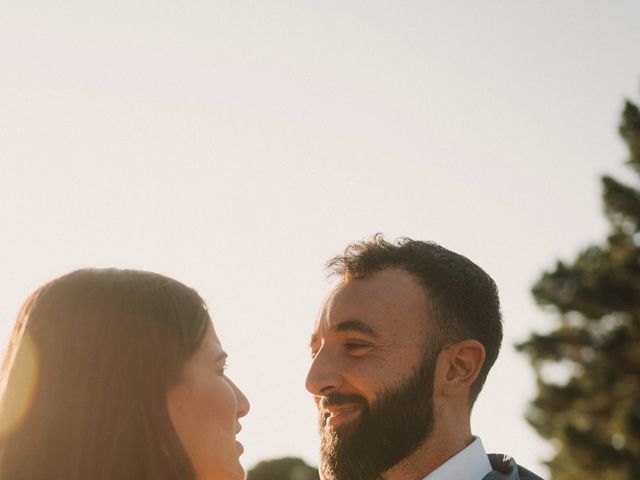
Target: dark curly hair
(462,298)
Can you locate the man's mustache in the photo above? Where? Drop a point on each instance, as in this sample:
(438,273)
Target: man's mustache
(340,399)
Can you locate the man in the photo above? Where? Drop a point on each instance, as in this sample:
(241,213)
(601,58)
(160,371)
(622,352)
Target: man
(401,349)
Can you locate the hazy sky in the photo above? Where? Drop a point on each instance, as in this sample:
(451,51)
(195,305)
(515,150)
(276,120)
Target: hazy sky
(238,145)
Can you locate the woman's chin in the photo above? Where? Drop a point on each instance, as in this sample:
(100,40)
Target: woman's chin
(235,474)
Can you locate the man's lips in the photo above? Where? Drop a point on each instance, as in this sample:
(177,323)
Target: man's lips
(338,408)
(336,415)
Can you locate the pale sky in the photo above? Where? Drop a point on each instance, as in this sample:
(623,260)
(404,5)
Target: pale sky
(237,145)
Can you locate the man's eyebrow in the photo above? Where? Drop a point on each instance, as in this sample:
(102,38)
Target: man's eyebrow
(357,325)
(347,326)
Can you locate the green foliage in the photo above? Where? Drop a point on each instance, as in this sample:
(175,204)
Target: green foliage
(594,417)
(287,468)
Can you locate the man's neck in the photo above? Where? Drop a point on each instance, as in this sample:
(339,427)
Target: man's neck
(431,453)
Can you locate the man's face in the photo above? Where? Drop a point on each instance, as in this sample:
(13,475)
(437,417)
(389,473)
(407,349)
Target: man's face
(370,376)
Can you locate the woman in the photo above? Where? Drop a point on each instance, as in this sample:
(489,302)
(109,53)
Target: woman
(117,374)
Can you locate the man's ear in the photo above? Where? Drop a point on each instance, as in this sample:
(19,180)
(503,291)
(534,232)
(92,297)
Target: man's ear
(458,367)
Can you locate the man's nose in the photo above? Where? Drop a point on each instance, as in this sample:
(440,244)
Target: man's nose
(325,372)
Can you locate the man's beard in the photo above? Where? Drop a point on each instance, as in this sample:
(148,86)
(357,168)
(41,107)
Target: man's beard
(386,432)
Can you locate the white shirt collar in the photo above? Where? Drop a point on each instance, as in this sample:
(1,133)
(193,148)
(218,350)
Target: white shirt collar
(471,463)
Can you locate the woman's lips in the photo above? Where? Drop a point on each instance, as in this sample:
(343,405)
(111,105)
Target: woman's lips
(240,448)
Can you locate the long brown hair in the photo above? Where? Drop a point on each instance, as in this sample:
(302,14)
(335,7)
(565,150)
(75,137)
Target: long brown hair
(86,375)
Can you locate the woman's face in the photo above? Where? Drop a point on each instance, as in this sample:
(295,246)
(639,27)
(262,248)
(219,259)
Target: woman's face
(204,407)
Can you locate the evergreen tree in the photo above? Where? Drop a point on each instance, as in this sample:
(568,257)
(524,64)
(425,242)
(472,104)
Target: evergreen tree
(594,417)
(287,468)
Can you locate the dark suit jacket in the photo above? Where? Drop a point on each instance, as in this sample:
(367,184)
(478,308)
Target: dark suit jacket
(506,468)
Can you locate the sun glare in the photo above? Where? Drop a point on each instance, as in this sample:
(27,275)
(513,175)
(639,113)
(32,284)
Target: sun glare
(25,376)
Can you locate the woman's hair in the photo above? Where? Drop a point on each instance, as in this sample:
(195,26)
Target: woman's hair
(86,376)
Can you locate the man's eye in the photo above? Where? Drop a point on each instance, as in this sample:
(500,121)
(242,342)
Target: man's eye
(356,347)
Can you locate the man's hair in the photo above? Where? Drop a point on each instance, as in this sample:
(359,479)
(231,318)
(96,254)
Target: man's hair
(462,299)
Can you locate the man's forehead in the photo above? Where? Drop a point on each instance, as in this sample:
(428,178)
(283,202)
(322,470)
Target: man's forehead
(372,300)
(331,298)
(325,310)
(345,297)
